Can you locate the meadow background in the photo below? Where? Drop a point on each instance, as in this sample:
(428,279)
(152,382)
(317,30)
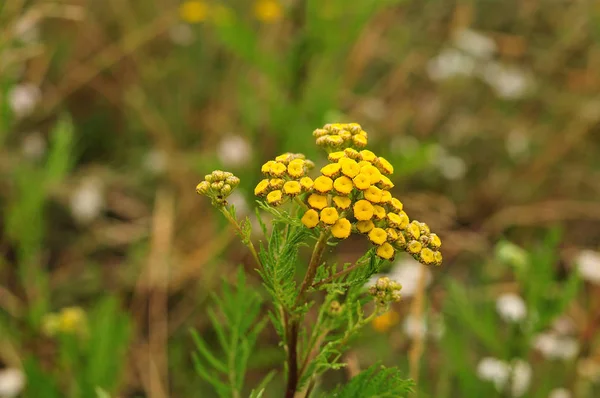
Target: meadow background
(112,111)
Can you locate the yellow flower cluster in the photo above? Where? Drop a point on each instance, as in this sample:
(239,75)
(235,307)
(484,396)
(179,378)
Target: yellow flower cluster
(336,136)
(286,178)
(70,320)
(218,186)
(352,194)
(385,291)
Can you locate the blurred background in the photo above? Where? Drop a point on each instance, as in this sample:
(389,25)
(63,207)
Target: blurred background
(112,111)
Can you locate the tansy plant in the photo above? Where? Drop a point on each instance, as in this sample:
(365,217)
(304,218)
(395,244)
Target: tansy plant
(315,316)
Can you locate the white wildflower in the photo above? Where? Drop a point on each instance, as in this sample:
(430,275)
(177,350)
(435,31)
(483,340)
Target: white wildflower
(475,43)
(560,393)
(520,377)
(407,272)
(494,370)
(24,98)
(452,167)
(564,325)
(182,34)
(238,200)
(588,265)
(414,327)
(450,63)
(509,82)
(155,161)
(553,346)
(33,146)
(12,382)
(511,307)
(234,151)
(87,200)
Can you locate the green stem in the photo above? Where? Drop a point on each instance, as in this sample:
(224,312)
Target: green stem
(238,229)
(315,261)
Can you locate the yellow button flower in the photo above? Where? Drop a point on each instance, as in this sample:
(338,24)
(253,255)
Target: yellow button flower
(331,170)
(283,158)
(261,188)
(373,173)
(352,153)
(311,218)
(385,166)
(438,258)
(268,11)
(385,251)
(362,181)
(193,11)
(329,215)
(278,169)
(292,188)
(306,183)
(435,241)
(398,220)
(364,163)
(364,226)
(276,183)
(378,236)
(384,322)
(385,182)
(323,184)
(349,167)
(343,185)
(317,201)
(296,168)
(360,141)
(413,230)
(414,247)
(266,168)
(396,204)
(367,155)
(341,229)
(343,202)
(373,194)
(392,234)
(363,210)
(427,256)
(401,241)
(386,197)
(335,156)
(378,212)
(274,198)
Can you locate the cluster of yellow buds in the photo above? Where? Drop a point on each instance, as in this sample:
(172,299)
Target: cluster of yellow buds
(287,178)
(218,186)
(337,136)
(352,194)
(385,291)
(70,320)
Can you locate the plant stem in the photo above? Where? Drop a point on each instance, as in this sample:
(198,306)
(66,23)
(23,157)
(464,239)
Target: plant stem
(315,261)
(292,359)
(247,242)
(417,312)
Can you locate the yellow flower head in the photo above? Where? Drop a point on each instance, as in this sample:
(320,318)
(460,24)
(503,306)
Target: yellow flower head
(384,166)
(268,11)
(413,230)
(317,201)
(331,170)
(329,215)
(193,11)
(378,212)
(427,256)
(373,173)
(438,258)
(349,167)
(292,188)
(386,321)
(414,246)
(367,155)
(396,204)
(360,141)
(385,251)
(401,241)
(399,221)
(385,182)
(306,183)
(310,219)
(323,184)
(296,168)
(373,194)
(335,156)
(341,229)
(378,236)
(392,234)
(364,226)
(274,197)
(262,188)
(386,197)
(342,202)
(343,185)
(435,241)
(352,153)
(276,183)
(362,181)
(363,210)
(277,169)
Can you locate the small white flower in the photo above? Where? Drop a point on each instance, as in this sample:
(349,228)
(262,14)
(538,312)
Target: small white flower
(553,346)
(563,325)
(560,393)
(494,370)
(509,82)
(87,200)
(475,44)
(414,327)
(450,63)
(238,200)
(12,382)
(452,167)
(407,272)
(517,144)
(33,146)
(511,307)
(23,99)
(588,264)
(182,34)
(155,161)
(520,377)
(234,151)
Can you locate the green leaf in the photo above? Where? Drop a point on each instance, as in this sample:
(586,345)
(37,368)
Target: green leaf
(375,382)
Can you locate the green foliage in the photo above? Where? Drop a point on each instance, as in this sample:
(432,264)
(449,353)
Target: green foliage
(236,330)
(377,382)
